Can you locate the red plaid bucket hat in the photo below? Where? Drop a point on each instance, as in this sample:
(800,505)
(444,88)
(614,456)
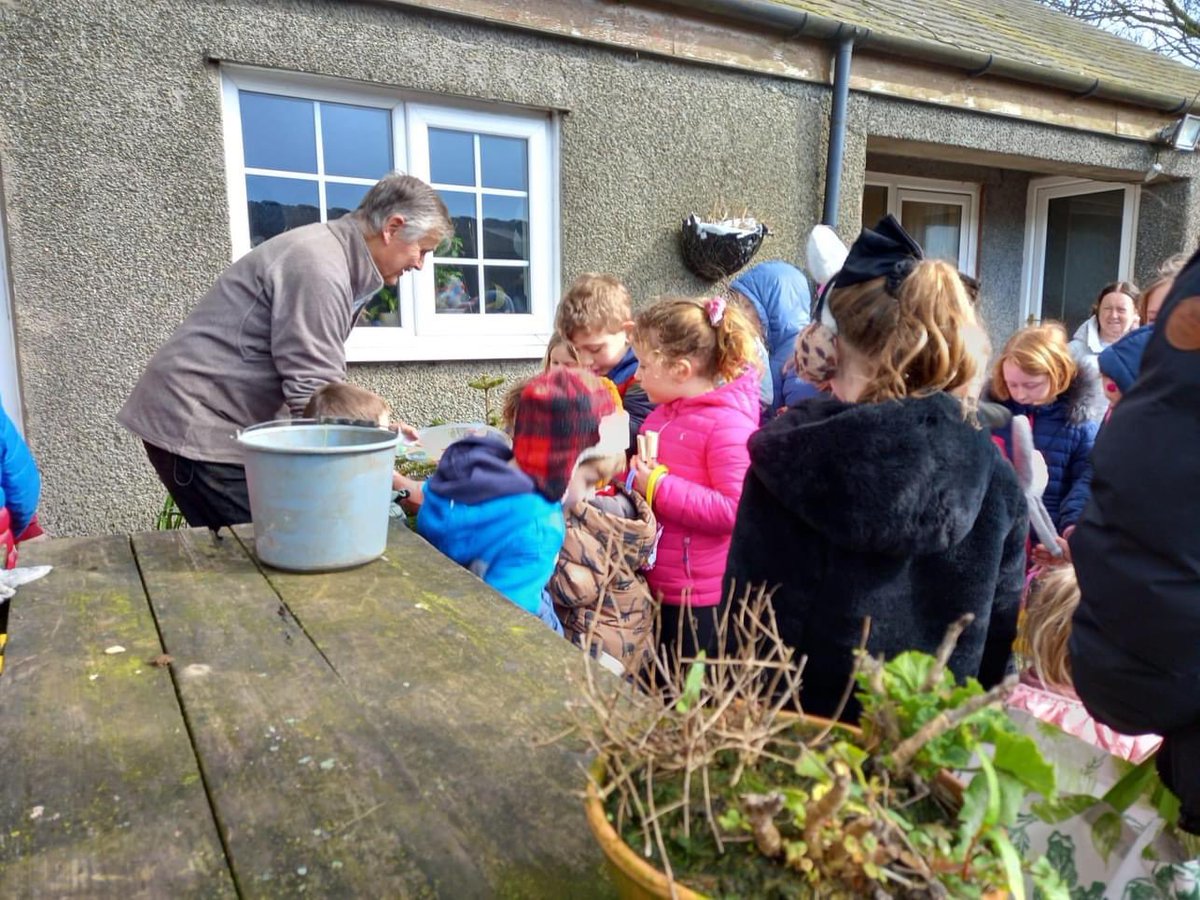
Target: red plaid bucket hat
(558,417)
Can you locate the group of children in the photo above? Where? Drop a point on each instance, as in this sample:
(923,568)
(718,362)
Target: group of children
(664,465)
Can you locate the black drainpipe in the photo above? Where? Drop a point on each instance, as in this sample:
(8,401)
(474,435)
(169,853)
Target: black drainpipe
(837,128)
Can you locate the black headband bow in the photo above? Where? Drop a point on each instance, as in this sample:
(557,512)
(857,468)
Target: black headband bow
(885,251)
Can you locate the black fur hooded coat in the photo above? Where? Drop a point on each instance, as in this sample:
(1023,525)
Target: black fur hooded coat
(900,511)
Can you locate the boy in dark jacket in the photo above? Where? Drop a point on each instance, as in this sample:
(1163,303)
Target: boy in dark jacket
(1135,639)
(497,511)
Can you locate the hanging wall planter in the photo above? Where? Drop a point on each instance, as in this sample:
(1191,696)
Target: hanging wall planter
(716,250)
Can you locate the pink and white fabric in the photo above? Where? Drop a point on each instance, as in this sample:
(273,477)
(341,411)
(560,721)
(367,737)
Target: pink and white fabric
(1066,711)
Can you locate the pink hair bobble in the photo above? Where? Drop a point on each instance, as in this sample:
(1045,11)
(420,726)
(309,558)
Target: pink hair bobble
(715,307)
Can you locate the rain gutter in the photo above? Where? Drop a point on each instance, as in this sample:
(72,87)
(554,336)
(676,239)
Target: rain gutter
(796,23)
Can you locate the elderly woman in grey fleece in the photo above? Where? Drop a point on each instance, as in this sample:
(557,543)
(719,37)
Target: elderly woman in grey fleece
(269,333)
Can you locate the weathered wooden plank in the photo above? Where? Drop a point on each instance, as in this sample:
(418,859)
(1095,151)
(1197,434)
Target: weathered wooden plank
(308,794)
(467,687)
(100,795)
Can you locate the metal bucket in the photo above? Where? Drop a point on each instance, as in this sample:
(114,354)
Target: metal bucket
(319,492)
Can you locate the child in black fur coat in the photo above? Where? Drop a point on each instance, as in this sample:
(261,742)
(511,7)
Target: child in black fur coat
(884,501)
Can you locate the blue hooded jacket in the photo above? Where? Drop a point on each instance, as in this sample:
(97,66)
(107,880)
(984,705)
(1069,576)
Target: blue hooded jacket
(20,482)
(1064,434)
(1122,361)
(780,296)
(486,515)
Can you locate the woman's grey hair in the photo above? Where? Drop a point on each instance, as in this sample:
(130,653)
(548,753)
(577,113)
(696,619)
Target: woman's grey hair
(399,194)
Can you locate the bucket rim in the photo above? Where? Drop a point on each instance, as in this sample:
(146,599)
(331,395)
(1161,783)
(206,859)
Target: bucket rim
(388,440)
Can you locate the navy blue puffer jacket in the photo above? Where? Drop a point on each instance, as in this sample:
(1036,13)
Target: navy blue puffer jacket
(1064,435)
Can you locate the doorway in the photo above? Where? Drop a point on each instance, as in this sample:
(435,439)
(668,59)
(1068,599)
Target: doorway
(1079,236)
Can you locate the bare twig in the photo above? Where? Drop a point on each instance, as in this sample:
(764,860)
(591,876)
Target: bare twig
(903,755)
(945,649)
(850,682)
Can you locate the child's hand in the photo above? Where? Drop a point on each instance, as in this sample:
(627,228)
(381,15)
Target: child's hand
(416,493)
(406,430)
(641,474)
(1043,557)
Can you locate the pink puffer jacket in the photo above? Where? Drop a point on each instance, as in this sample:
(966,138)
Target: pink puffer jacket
(702,442)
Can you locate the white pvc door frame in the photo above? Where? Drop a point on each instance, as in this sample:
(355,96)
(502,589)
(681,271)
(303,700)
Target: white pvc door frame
(1037,204)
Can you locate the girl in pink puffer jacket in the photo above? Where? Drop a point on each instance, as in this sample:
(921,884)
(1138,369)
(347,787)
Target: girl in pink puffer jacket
(697,362)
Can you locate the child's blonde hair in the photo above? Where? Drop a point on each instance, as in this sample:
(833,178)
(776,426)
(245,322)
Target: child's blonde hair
(677,328)
(1164,277)
(1037,350)
(746,307)
(341,400)
(558,339)
(594,302)
(917,340)
(512,399)
(1046,625)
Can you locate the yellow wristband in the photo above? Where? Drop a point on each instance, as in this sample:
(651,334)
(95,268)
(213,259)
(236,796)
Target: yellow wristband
(652,483)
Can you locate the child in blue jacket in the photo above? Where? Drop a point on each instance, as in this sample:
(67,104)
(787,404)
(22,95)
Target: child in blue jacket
(776,295)
(499,512)
(20,489)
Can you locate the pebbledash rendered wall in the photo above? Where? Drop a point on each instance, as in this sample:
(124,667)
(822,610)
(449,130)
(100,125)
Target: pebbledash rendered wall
(114,187)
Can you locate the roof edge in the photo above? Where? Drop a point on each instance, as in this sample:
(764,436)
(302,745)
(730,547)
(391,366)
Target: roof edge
(802,23)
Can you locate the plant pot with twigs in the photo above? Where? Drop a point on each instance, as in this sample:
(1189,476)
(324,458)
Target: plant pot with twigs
(708,783)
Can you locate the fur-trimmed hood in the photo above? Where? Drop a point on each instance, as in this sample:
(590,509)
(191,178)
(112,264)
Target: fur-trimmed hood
(898,478)
(1074,404)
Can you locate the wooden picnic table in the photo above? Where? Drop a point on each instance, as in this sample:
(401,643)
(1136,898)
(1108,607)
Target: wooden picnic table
(378,732)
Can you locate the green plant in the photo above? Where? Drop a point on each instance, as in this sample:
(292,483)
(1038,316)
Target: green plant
(708,774)
(445,275)
(169,517)
(386,300)
(487,384)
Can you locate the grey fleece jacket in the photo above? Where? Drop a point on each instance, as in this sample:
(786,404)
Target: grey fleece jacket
(270,332)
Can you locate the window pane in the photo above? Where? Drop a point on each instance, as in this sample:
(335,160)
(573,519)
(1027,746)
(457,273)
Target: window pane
(1083,252)
(505,227)
(457,289)
(507,289)
(874,204)
(502,161)
(935,226)
(451,157)
(277,204)
(462,214)
(357,140)
(278,132)
(342,198)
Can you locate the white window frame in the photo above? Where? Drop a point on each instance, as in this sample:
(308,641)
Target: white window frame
(1037,203)
(964,194)
(422,335)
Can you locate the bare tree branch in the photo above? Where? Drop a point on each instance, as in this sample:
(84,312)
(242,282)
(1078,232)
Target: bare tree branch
(1172,27)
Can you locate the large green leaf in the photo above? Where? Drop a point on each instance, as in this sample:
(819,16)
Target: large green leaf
(1106,833)
(692,685)
(1012,795)
(1011,861)
(1132,785)
(1047,884)
(991,815)
(910,670)
(1063,807)
(974,808)
(1018,754)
